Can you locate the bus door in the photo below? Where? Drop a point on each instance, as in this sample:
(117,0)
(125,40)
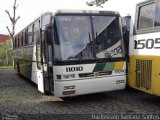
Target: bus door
(39,69)
(48,66)
(46,47)
(37,37)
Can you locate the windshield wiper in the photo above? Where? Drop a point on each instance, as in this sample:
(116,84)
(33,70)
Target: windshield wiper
(91,44)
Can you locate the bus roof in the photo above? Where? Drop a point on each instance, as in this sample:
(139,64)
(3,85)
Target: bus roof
(72,11)
(145,2)
(89,11)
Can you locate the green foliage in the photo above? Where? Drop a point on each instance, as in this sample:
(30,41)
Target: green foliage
(6,67)
(1,62)
(98,3)
(5,53)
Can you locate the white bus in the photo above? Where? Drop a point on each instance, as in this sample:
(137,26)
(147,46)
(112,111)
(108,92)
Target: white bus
(144,50)
(68,52)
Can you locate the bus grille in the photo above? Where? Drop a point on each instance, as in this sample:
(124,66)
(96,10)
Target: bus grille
(144,73)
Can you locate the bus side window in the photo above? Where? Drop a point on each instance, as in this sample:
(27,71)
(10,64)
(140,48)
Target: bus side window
(33,33)
(36,32)
(17,41)
(46,20)
(30,35)
(14,42)
(146,16)
(157,14)
(37,40)
(26,37)
(23,35)
(22,39)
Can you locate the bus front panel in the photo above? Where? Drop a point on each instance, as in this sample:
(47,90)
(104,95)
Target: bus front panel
(70,80)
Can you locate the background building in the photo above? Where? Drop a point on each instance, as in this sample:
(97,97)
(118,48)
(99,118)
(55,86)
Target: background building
(3,38)
(5,50)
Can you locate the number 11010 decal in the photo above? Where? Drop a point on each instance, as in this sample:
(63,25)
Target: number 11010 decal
(147,43)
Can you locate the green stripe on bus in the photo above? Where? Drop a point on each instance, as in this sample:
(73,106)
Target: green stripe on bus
(99,67)
(109,66)
(104,67)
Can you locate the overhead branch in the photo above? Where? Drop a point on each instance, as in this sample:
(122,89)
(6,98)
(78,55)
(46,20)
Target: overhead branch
(16,19)
(98,3)
(90,3)
(17,6)
(15,2)
(9,15)
(9,31)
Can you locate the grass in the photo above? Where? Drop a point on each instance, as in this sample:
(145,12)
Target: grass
(6,67)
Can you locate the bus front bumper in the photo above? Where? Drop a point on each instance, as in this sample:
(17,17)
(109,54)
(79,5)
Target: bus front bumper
(65,88)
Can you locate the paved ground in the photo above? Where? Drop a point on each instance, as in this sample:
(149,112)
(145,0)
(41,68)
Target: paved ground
(20,99)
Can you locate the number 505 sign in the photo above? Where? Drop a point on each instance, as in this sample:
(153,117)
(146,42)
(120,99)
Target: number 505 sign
(147,43)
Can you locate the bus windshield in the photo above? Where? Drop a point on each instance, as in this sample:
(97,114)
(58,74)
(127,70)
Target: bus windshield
(87,37)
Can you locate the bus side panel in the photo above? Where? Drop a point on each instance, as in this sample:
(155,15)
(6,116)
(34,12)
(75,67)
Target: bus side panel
(27,57)
(144,74)
(22,67)
(23,61)
(156,75)
(15,63)
(25,68)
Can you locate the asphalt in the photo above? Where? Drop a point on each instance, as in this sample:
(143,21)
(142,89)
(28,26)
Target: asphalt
(20,100)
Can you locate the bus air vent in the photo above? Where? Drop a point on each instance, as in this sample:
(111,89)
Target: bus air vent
(144,73)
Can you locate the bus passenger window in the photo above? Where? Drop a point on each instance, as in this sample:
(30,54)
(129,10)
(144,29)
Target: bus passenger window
(20,39)
(36,32)
(46,19)
(146,16)
(30,35)
(17,41)
(157,15)
(14,42)
(33,33)
(23,35)
(26,37)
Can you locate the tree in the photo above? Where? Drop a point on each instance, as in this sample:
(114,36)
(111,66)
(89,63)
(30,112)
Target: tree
(13,20)
(98,3)
(5,53)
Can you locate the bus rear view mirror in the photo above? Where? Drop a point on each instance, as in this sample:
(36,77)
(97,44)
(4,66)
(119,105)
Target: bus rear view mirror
(48,37)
